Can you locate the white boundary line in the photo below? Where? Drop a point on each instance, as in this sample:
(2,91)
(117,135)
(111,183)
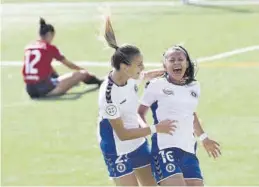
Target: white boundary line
(148,64)
(228,54)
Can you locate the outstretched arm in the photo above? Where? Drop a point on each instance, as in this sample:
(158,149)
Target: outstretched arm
(70,64)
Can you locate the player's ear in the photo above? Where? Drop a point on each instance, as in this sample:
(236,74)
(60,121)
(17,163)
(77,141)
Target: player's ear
(123,67)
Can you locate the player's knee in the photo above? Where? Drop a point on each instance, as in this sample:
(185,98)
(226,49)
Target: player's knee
(79,75)
(84,74)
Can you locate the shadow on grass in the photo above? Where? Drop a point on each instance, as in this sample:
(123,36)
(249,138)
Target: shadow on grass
(68,96)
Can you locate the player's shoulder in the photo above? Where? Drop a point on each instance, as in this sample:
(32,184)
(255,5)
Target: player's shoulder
(51,46)
(194,86)
(194,83)
(36,44)
(107,92)
(156,82)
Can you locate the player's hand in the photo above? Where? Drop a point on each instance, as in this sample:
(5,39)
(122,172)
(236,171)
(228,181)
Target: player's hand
(166,126)
(212,147)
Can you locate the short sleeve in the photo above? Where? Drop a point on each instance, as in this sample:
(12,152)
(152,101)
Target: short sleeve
(110,111)
(149,96)
(198,88)
(195,89)
(108,102)
(57,54)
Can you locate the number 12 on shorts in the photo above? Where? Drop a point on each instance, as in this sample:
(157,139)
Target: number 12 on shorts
(166,156)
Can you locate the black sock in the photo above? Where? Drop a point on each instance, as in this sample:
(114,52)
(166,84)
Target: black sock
(93,80)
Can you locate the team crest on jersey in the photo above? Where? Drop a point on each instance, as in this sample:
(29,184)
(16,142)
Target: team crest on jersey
(121,167)
(168,91)
(194,94)
(111,110)
(170,168)
(136,88)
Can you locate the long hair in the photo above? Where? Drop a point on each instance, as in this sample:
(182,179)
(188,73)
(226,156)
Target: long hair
(123,54)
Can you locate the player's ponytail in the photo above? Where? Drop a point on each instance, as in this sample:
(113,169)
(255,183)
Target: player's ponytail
(123,54)
(42,22)
(109,34)
(45,28)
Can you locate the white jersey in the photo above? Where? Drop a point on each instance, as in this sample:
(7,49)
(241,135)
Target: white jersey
(114,102)
(173,102)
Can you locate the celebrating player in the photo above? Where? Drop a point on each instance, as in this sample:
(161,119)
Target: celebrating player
(175,96)
(122,140)
(40,78)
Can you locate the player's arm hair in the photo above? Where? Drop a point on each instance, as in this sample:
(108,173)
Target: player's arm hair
(71,65)
(148,75)
(198,130)
(128,134)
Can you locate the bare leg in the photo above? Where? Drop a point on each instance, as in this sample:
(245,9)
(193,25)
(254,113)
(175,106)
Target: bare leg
(194,182)
(145,176)
(67,81)
(175,180)
(127,180)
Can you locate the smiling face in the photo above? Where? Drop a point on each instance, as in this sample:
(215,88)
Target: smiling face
(175,63)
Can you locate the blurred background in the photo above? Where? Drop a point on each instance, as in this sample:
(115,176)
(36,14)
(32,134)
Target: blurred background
(53,142)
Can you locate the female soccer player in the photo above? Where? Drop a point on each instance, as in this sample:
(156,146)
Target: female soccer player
(122,140)
(40,78)
(175,96)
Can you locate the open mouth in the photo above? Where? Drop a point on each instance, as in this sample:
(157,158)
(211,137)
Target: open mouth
(177,70)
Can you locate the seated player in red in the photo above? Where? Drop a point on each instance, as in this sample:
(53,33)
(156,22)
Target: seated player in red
(39,76)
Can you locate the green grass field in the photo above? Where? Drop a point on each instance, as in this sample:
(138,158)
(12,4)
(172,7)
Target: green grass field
(53,142)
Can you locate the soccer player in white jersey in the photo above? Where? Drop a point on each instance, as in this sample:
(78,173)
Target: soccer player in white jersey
(175,96)
(122,139)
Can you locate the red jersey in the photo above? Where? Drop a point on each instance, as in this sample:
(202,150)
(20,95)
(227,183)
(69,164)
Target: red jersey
(37,61)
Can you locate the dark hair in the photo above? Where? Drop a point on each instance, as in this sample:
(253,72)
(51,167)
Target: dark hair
(45,28)
(190,71)
(123,54)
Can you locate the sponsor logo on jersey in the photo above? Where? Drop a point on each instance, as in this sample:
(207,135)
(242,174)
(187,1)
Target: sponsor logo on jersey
(121,167)
(123,101)
(111,110)
(168,91)
(170,168)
